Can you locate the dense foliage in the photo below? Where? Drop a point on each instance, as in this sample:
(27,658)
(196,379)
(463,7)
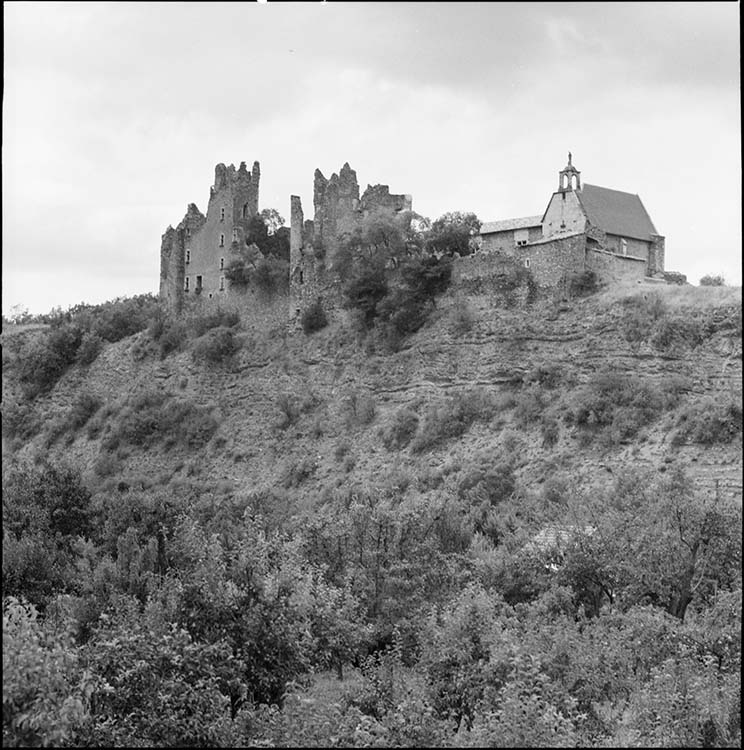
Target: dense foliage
(371,619)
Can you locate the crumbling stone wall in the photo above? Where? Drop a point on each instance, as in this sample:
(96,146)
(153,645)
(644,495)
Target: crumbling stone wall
(339,210)
(336,203)
(379,198)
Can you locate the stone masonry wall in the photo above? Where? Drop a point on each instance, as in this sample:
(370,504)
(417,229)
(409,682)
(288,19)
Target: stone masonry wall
(635,248)
(550,259)
(610,267)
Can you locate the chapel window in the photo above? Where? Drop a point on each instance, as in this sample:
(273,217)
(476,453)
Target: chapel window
(188,256)
(222,214)
(186,284)
(222,264)
(222,240)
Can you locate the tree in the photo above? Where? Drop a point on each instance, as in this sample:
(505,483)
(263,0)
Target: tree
(44,694)
(272,220)
(658,543)
(453,232)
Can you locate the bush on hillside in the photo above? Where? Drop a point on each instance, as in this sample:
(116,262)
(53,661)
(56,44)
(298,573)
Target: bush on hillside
(156,417)
(314,318)
(583,283)
(398,432)
(462,317)
(366,288)
(200,323)
(90,348)
(216,346)
(452,418)
(617,405)
(677,332)
(708,422)
(709,280)
(289,410)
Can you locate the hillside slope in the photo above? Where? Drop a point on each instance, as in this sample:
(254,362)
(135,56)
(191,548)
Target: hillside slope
(297,417)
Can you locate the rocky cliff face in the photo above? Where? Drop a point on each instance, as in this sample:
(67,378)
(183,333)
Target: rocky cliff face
(304,416)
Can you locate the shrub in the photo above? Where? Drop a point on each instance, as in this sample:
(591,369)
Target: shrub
(289,410)
(452,418)
(200,323)
(172,337)
(583,283)
(677,331)
(215,346)
(83,408)
(20,420)
(271,276)
(530,405)
(151,417)
(462,317)
(365,289)
(709,280)
(357,408)
(709,422)
(618,405)
(639,314)
(314,318)
(399,431)
(90,348)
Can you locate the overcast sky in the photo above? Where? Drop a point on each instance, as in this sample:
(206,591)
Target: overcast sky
(114,116)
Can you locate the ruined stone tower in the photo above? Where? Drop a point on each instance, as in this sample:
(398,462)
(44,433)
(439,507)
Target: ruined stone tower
(194,255)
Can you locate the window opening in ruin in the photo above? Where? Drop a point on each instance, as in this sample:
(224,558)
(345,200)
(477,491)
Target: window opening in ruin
(198,283)
(222,283)
(222,240)
(188,232)
(188,256)
(222,214)
(222,264)
(186,284)
(526,262)
(245,211)
(300,277)
(210,296)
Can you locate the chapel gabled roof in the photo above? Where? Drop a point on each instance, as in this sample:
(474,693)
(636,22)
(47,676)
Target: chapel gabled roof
(616,212)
